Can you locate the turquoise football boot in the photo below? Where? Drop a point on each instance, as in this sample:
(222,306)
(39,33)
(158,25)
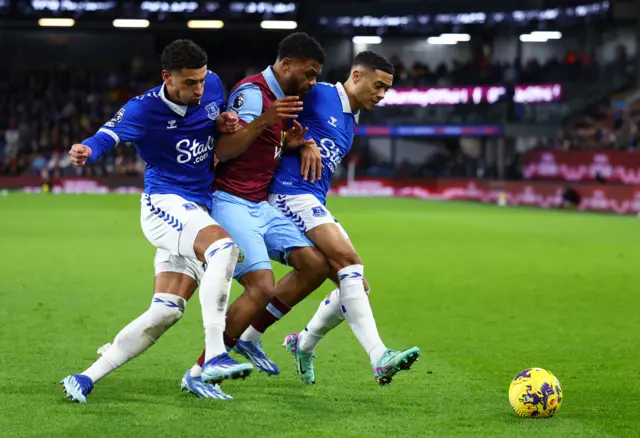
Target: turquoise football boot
(304,361)
(393,361)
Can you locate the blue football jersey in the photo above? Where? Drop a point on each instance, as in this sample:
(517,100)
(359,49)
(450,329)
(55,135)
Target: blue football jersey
(176,141)
(327,113)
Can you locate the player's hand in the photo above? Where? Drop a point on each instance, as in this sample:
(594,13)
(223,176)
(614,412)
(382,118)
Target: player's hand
(295,135)
(311,161)
(283,109)
(79,154)
(227,122)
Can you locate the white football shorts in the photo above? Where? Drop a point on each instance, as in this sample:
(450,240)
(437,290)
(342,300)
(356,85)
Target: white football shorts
(305,210)
(164,261)
(171,224)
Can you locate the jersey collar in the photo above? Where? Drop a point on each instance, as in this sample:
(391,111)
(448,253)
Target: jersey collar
(181,110)
(344,100)
(272,82)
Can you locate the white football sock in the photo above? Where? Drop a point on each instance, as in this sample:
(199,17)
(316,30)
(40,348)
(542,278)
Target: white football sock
(327,317)
(215,287)
(140,334)
(357,311)
(251,334)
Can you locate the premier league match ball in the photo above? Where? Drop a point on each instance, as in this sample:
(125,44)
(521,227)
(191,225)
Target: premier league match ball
(535,393)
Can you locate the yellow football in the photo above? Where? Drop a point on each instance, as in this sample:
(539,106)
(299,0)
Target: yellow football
(535,393)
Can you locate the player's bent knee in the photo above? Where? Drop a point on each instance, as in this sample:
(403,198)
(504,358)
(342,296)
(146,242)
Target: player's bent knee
(259,285)
(176,283)
(310,261)
(222,254)
(207,237)
(341,259)
(348,259)
(166,317)
(262,293)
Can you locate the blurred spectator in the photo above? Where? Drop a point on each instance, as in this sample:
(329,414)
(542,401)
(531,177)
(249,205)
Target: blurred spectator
(484,71)
(44,111)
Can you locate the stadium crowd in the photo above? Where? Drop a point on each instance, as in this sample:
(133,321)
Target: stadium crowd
(43,111)
(482,71)
(604,128)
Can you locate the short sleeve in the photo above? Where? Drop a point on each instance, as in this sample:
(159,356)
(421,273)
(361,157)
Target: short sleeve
(246,101)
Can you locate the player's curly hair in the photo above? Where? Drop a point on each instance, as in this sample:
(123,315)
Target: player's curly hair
(373,61)
(301,46)
(181,54)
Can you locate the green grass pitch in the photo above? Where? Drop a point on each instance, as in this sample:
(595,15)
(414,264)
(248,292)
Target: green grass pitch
(484,292)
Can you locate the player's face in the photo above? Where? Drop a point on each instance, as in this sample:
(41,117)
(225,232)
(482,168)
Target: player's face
(302,75)
(370,86)
(185,86)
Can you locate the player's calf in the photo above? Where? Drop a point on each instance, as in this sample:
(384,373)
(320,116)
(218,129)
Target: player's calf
(353,298)
(310,271)
(259,290)
(220,257)
(165,310)
(142,333)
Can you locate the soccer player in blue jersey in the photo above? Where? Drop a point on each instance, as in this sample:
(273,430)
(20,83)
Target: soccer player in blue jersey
(174,127)
(330,114)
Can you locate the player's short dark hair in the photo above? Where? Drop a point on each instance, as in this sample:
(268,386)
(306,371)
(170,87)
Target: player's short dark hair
(373,61)
(181,54)
(301,46)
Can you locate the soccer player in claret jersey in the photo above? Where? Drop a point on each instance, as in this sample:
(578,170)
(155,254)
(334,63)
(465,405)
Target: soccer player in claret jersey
(248,159)
(173,127)
(330,115)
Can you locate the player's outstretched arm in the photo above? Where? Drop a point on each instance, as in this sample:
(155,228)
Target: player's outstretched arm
(91,149)
(229,146)
(125,126)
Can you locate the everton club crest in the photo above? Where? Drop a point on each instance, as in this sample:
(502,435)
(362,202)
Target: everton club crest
(212,110)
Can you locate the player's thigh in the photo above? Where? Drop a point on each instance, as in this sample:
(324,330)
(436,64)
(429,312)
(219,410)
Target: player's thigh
(331,242)
(305,211)
(316,221)
(334,274)
(246,229)
(342,230)
(283,235)
(172,223)
(176,275)
(289,246)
